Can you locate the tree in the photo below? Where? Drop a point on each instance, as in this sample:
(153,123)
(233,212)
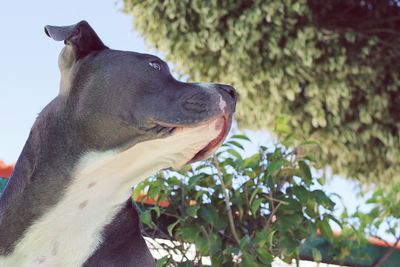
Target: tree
(331,67)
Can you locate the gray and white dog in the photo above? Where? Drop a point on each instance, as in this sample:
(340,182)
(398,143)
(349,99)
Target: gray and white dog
(118,118)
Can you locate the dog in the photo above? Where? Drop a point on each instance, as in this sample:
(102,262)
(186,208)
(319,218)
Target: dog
(119,117)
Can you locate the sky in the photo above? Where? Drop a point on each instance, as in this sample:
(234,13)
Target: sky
(29,74)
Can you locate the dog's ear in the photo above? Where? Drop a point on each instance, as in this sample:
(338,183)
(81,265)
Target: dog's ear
(81,38)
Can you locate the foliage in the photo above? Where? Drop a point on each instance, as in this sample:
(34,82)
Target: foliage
(239,211)
(330,66)
(382,218)
(383,209)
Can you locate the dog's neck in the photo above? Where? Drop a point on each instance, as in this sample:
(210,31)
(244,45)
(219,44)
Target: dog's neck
(40,177)
(65,224)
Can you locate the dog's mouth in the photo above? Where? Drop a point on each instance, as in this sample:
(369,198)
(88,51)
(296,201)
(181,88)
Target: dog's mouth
(222,125)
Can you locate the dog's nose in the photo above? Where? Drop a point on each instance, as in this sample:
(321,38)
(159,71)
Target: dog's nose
(228,89)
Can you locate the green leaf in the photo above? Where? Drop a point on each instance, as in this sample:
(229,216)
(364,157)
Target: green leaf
(305,170)
(157,210)
(188,232)
(270,237)
(282,125)
(234,153)
(350,36)
(192,210)
(194,180)
(174,181)
(265,257)
(201,244)
(154,191)
(292,220)
(145,217)
(336,220)
(244,242)
(374,213)
(185,169)
(326,229)
(138,189)
(255,205)
(234,143)
(248,260)
(232,250)
(237,164)
(274,166)
(323,199)
(240,136)
(163,262)
(289,244)
(302,194)
(264,237)
(214,244)
(310,142)
(316,254)
(210,214)
(252,161)
(171,227)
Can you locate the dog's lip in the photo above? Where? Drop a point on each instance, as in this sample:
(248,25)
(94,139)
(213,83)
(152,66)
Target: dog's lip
(215,143)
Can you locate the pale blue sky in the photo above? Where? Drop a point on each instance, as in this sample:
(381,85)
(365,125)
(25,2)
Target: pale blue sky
(29,74)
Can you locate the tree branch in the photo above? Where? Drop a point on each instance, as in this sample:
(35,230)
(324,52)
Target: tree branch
(227,201)
(271,216)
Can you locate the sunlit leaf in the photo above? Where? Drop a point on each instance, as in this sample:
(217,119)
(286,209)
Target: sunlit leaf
(234,153)
(252,161)
(316,254)
(240,136)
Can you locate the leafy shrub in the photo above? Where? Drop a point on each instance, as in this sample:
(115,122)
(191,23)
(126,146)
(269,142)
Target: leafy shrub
(239,211)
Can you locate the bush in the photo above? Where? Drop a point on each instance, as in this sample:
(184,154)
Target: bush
(240,211)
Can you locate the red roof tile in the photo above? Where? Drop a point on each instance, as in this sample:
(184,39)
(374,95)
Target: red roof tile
(5,170)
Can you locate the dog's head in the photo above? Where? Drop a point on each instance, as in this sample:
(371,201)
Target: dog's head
(119,99)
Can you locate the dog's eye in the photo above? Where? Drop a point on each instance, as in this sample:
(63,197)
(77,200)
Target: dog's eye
(155,65)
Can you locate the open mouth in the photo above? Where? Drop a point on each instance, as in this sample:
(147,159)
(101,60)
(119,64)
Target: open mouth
(215,143)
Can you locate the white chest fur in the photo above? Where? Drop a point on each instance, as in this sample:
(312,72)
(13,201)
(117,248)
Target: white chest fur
(69,233)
